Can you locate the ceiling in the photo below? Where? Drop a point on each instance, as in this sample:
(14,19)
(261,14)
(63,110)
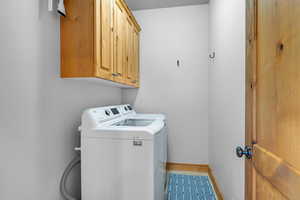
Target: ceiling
(151,4)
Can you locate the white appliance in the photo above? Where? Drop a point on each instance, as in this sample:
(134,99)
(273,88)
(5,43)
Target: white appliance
(123,154)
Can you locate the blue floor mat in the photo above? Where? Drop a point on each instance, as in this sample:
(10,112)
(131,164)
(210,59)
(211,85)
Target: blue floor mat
(189,187)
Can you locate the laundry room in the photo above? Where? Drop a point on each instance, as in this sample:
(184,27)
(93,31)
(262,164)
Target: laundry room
(149,100)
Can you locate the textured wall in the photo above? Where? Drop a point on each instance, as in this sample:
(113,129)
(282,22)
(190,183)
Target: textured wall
(227,95)
(179,92)
(39,111)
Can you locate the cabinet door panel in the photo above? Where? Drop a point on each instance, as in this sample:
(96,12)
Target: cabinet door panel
(106,66)
(129,52)
(119,52)
(136,59)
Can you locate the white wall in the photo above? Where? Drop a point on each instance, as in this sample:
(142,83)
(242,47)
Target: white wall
(226,94)
(39,112)
(179,92)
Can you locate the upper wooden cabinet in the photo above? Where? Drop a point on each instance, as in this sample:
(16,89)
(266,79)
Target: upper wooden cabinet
(100,39)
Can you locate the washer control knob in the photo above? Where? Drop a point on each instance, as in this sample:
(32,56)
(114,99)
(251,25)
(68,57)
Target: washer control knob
(107,112)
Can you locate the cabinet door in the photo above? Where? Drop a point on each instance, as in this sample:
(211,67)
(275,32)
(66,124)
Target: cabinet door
(106,41)
(119,41)
(136,56)
(129,52)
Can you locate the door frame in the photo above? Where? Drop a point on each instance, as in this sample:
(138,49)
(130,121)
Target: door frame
(250,122)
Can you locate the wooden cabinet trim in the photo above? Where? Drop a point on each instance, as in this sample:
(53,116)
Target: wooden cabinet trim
(130,15)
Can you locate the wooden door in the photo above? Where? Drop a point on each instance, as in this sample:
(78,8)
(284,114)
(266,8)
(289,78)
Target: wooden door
(119,38)
(136,61)
(129,51)
(273,99)
(106,41)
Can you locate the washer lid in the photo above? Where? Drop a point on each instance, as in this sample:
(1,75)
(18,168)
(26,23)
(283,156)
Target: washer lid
(134,122)
(126,128)
(146,116)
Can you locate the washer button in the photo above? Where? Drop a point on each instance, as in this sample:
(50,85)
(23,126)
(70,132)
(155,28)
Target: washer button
(107,112)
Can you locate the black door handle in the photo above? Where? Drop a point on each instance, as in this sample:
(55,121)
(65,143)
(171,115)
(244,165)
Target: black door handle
(247,152)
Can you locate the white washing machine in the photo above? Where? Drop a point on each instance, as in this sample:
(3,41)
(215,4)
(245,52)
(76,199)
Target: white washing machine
(122,157)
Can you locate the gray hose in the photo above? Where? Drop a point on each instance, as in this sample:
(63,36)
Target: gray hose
(63,190)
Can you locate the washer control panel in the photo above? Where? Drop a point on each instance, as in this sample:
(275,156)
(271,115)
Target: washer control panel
(103,114)
(125,109)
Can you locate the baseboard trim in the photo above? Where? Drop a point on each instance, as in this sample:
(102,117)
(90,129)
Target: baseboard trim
(201,168)
(187,167)
(214,181)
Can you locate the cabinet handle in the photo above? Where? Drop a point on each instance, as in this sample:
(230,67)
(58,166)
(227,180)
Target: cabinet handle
(135,81)
(115,74)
